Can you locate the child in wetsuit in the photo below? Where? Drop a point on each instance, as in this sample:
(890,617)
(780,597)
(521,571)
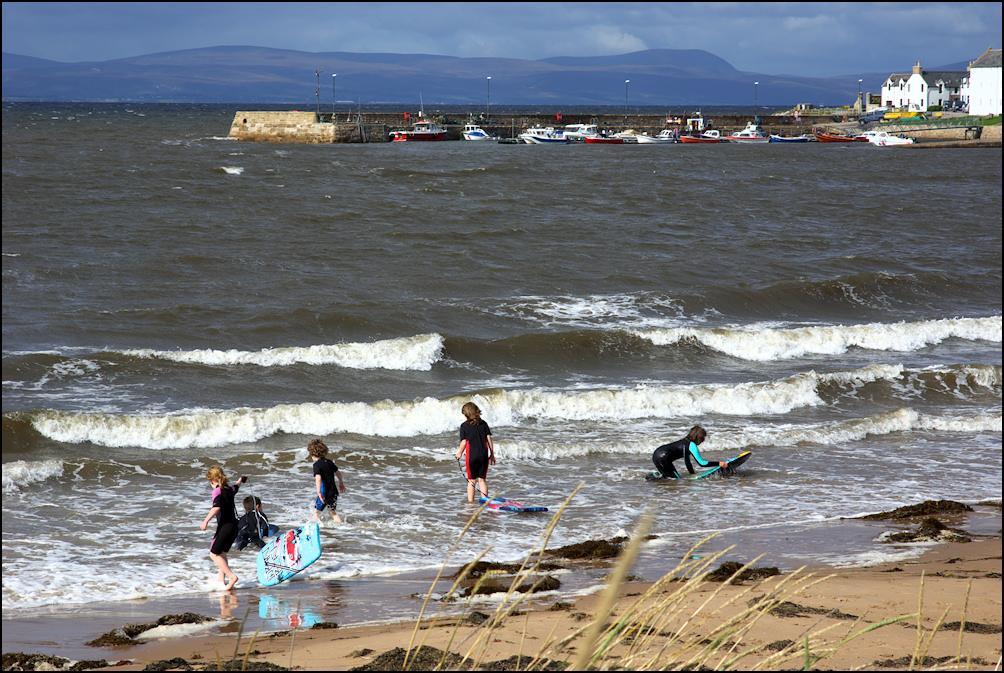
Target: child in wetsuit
(325,473)
(254,525)
(476,443)
(685,448)
(226,522)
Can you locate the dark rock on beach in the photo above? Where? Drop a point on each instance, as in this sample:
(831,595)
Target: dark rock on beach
(422,659)
(924,509)
(324,625)
(590,549)
(176,664)
(521,663)
(531,584)
(20,661)
(788,609)
(971,627)
(930,529)
(482,568)
(729,568)
(127,634)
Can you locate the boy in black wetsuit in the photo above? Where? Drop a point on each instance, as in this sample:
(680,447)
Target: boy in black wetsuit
(254,525)
(325,473)
(685,448)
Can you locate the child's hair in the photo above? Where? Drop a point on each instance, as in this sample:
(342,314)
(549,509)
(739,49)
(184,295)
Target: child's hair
(471,412)
(317,448)
(251,502)
(216,474)
(697,434)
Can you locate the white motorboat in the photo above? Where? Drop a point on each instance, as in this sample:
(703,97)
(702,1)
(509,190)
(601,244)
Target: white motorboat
(886,139)
(542,136)
(577,132)
(475,132)
(751,134)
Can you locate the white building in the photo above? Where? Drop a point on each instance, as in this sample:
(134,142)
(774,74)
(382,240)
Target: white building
(920,89)
(983,86)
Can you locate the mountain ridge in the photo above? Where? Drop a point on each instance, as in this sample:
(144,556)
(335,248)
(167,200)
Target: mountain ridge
(252,74)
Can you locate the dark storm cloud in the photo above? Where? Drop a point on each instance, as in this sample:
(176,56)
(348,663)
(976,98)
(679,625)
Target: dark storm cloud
(804,39)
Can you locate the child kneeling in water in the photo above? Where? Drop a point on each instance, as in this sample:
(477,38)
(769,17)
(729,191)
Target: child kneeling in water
(254,525)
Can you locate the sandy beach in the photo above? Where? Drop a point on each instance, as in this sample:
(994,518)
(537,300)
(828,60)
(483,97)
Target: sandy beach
(830,618)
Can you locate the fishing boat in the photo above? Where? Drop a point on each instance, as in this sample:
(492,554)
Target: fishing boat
(709,136)
(604,140)
(475,132)
(774,138)
(542,136)
(751,134)
(423,129)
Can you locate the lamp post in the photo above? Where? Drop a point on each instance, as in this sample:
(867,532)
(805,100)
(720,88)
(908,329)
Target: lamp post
(755,85)
(861,102)
(333,76)
(317,92)
(626,82)
(488,104)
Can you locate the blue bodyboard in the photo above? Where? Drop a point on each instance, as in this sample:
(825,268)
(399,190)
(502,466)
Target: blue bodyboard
(714,471)
(289,553)
(505,505)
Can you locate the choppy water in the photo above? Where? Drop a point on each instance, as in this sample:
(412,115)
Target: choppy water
(174,299)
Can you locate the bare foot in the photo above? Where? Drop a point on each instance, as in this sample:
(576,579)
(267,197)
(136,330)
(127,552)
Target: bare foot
(221,577)
(233,581)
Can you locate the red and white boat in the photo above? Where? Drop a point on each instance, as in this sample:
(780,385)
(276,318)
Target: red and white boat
(834,138)
(751,134)
(709,136)
(423,129)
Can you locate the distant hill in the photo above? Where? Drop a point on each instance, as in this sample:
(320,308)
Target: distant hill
(262,75)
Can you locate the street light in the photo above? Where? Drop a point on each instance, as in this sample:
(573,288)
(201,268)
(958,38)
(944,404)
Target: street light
(755,84)
(626,82)
(488,105)
(333,76)
(317,91)
(861,102)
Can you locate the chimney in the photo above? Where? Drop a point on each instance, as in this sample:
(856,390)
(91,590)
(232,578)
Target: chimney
(917,70)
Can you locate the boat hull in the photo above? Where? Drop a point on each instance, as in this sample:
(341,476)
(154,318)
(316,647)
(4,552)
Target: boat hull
(604,141)
(693,140)
(830,138)
(782,139)
(408,136)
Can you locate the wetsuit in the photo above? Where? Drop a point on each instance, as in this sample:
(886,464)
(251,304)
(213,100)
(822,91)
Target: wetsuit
(476,450)
(326,468)
(249,533)
(664,456)
(226,519)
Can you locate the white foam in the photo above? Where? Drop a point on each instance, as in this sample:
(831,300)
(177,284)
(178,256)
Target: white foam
(826,434)
(595,310)
(764,343)
(232,170)
(429,416)
(418,352)
(21,473)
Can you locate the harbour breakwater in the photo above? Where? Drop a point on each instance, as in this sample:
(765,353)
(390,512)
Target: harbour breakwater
(296,126)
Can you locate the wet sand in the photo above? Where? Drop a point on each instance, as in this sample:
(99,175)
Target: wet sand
(847,600)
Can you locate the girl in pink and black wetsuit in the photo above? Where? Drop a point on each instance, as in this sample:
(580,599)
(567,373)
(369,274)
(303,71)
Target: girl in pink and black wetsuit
(476,443)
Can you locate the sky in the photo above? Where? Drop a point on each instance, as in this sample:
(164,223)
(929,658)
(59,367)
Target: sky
(810,39)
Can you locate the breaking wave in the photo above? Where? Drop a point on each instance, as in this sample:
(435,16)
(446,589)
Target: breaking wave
(22,472)
(772,343)
(419,352)
(429,416)
(841,432)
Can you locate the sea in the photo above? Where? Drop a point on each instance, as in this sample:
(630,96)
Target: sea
(174,299)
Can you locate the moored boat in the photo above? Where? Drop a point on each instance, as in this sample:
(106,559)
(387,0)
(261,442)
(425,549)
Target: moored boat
(542,136)
(774,138)
(709,136)
(578,132)
(604,140)
(824,137)
(475,132)
(886,139)
(751,134)
(423,129)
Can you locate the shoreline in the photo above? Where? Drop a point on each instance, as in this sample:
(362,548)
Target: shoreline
(898,588)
